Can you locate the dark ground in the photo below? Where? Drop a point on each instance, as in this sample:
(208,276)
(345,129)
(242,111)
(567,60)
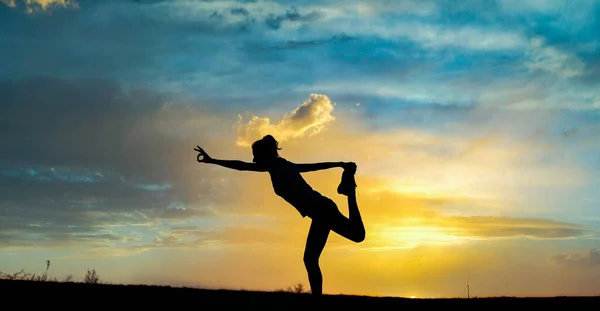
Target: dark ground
(27,294)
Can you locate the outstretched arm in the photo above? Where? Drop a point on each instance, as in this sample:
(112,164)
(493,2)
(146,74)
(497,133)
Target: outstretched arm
(203,157)
(311,167)
(238,165)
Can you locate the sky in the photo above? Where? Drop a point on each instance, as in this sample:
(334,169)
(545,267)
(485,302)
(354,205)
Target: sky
(475,126)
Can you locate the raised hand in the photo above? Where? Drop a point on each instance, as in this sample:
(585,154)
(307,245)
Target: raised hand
(202,157)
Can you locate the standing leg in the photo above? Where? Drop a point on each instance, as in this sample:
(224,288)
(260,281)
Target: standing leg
(315,242)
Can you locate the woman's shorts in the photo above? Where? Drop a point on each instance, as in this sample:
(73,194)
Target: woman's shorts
(323,208)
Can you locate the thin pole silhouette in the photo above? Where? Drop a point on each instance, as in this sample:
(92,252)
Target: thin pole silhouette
(47,267)
(468,288)
(288,183)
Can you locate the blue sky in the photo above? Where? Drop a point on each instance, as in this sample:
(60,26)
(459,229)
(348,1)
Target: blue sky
(465,109)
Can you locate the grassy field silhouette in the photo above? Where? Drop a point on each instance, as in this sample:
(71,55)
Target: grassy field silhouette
(32,289)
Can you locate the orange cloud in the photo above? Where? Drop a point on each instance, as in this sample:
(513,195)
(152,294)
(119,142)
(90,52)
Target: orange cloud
(309,118)
(43,5)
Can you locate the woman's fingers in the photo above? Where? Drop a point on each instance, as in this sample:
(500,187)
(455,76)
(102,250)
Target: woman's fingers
(200,150)
(202,156)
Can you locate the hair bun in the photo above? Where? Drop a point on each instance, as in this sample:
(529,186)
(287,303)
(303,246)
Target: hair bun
(271,140)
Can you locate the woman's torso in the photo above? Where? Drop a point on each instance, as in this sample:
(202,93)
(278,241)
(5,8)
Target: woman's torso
(289,184)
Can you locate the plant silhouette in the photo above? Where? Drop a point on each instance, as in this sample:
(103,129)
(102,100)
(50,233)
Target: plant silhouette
(288,183)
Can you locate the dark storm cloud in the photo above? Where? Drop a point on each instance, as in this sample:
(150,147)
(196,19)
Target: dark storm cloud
(82,123)
(91,124)
(80,155)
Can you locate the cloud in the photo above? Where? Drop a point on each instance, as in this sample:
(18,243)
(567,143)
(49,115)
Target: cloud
(64,184)
(41,236)
(553,60)
(394,221)
(582,260)
(309,118)
(108,130)
(187,237)
(546,86)
(9,3)
(400,217)
(274,22)
(492,227)
(428,35)
(407,56)
(85,157)
(239,11)
(358,20)
(99,119)
(444,186)
(551,9)
(544,6)
(475,38)
(82,156)
(403,220)
(292,45)
(41,5)
(218,236)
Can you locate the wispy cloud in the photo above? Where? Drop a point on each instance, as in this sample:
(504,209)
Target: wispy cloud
(581,260)
(551,59)
(275,21)
(439,36)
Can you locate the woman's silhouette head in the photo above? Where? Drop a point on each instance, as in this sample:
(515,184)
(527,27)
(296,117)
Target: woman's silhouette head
(265,149)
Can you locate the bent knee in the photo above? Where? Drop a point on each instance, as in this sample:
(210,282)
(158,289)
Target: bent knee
(360,236)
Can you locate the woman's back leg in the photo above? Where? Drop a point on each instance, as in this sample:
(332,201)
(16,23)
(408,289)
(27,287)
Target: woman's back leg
(352,227)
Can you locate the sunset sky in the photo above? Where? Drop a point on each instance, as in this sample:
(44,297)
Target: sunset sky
(475,126)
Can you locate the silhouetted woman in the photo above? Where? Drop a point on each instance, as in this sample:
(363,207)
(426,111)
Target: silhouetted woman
(289,184)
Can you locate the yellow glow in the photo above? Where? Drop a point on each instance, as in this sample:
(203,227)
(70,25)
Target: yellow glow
(414,246)
(44,4)
(413,236)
